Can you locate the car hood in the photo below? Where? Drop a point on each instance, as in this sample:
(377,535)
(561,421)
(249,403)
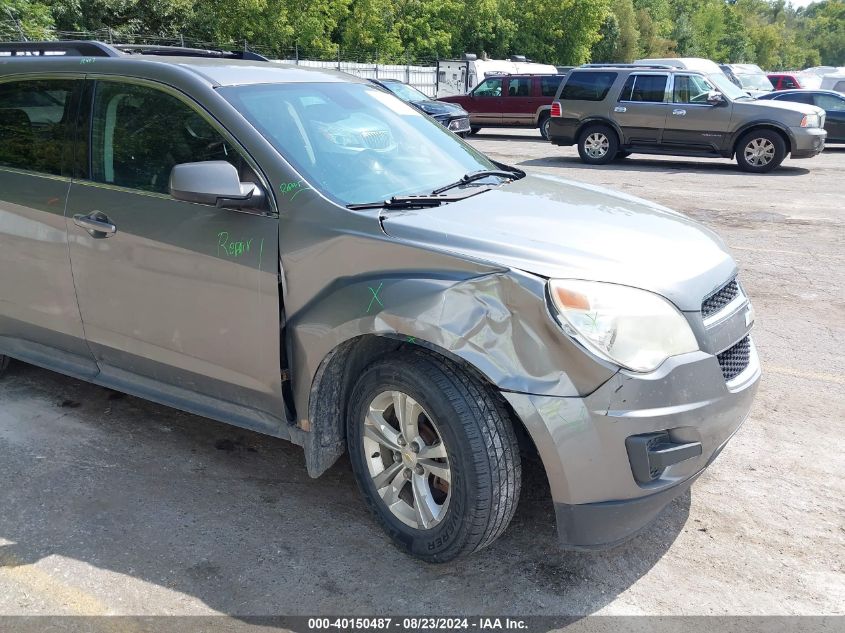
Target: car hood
(435,108)
(765,106)
(556,228)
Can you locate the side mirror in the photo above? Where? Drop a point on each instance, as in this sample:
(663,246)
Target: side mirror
(214,182)
(715,98)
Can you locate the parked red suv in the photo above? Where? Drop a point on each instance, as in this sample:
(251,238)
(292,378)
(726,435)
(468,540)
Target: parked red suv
(510,101)
(790,81)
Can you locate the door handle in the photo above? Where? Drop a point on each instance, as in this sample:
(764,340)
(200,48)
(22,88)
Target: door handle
(620,109)
(96,223)
(679,112)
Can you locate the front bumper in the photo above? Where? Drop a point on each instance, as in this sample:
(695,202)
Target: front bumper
(598,501)
(807,142)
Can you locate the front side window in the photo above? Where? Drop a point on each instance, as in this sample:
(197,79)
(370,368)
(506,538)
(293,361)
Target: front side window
(787,83)
(549,85)
(691,89)
(354,142)
(34,119)
(797,97)
(587,86)
(830,103)
(520,87)
(140,133)
(489,88)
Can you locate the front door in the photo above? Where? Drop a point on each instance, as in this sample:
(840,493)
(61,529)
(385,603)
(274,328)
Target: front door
(641,109)
(692,123)
(485,102)
(179,300)
(834,105)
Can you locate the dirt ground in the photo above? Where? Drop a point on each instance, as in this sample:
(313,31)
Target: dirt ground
(113,505)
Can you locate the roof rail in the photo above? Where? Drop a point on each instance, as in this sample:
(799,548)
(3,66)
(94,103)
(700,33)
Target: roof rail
(68,48)
(653,66)
(182,51)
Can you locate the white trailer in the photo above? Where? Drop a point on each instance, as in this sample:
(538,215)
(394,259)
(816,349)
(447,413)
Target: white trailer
(459,76)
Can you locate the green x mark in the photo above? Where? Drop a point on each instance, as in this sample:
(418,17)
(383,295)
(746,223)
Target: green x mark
(375,297)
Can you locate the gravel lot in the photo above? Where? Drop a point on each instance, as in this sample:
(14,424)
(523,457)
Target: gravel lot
(113,505)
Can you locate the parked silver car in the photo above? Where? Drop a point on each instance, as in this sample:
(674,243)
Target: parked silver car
(300,253)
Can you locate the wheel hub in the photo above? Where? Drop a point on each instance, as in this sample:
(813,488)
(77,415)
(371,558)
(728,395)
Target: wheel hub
(407,460)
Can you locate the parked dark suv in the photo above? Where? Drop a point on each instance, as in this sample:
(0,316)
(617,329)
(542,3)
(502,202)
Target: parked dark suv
(612,111)
(510,101)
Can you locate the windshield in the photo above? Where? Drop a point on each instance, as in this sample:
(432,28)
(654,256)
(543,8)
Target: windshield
(404,91)
(755,82)
(354,142)
(727,87)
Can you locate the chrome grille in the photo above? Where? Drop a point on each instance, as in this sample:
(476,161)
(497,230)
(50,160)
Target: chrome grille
(717,301)
(379,139)
(734,360)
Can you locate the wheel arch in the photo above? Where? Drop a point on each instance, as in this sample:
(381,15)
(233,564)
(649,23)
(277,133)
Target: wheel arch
(598,120)
(762,125)
(336,376)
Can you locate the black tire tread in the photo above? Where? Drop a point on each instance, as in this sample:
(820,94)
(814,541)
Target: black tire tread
(493,444)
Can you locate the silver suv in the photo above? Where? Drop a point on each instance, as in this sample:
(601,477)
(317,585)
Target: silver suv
(612,111)
(300,253)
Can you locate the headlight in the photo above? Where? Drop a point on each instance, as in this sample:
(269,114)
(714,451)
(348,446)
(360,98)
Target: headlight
(810,120)
(629,327)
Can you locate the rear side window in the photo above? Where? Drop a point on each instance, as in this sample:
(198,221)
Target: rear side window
(549,86)
(787,83)
(647,88)
(587,86)
(140,133)
(34,118)
(519,87)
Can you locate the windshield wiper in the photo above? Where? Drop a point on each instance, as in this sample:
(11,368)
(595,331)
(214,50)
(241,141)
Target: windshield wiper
(410,202)
(478,175)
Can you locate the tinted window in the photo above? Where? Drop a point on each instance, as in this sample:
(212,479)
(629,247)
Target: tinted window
(519,87)
(787,83)
(489,88)
(840,86)
(549,86)
(650,88)
(587,86)
(140,133)
(33,124)
(830,103)
(797,97)
(690,89)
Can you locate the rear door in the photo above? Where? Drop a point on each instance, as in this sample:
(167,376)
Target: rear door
(641,108)
(39,317)
(518,104)
(180,300)
(691,122)
(485,103)
(834,105)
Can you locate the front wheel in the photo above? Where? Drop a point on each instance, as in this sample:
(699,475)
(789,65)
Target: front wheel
(473,130)
(434,455)
(760,151)
(597,145)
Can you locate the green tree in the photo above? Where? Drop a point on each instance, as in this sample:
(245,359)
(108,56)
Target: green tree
(24,18)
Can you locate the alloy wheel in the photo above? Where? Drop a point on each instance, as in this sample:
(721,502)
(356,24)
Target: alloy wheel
(759,152)
(596,145)
(407,460)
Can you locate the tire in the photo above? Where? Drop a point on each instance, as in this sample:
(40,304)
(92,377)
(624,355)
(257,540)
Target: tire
(4,364)
(760,151)
(471,444)
(597,145)
(473,130)
(544,125)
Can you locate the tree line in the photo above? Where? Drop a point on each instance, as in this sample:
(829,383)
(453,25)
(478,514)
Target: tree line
(771,33)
